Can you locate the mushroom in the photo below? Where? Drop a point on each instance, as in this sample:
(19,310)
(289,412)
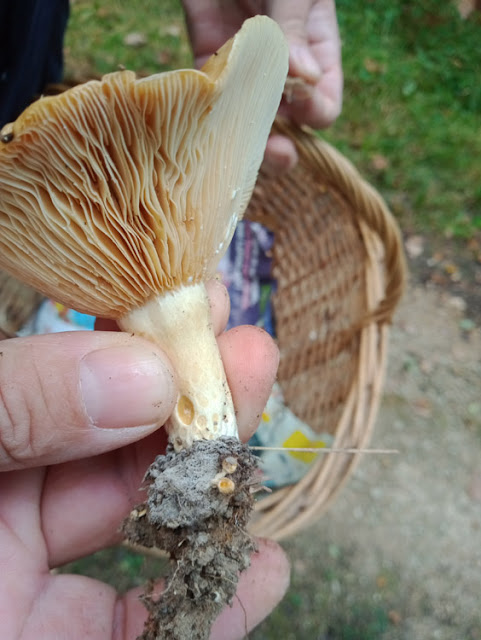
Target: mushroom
(119,197)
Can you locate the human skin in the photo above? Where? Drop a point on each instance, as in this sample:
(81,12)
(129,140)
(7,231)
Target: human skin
(72,461)
(312,34)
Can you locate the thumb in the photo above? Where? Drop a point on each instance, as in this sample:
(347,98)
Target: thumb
(71,395)
(293,17)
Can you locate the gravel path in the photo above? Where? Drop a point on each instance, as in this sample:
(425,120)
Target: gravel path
(398,556)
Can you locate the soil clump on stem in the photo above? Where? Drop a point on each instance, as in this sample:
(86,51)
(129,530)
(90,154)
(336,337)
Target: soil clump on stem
(198,506)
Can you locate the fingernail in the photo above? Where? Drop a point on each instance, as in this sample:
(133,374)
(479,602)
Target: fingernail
(303,64)
(126,386)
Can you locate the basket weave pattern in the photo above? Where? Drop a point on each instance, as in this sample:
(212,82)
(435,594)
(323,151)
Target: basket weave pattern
(340,271)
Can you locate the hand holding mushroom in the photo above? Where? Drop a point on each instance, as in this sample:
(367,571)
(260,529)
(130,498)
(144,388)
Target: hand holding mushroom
(314,91)
(54,514)
(118,198)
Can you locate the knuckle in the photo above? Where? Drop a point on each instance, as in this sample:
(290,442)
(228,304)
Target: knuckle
(23,409)
(16,442)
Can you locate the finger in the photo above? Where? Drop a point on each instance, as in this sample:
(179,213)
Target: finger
(322,105)
(293,17)
(68,606)
(60,606)
(210,24)
(260,589)
(320,110)
(219,304)
(85,501)
(250,359)
(280,155)
(71,395)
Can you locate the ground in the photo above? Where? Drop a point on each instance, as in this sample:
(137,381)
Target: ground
(398,555)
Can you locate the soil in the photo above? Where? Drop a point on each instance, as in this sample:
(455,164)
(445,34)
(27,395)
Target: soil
(199,503)
(398,555)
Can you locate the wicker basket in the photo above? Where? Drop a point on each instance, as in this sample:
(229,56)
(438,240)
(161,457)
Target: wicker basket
(18,303)
(340,272)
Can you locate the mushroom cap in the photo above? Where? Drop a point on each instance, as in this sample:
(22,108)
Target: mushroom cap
(121,189)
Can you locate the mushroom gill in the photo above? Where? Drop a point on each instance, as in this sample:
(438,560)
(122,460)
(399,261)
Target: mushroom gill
(119,197)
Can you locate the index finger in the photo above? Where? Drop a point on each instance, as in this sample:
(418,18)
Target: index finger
(319,104)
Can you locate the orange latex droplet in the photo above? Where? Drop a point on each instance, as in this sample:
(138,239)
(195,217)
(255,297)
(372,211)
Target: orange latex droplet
(226,486)
(185,410)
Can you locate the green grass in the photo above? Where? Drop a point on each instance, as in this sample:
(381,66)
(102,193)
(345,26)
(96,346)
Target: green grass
(332,603)
(95,40)
(413,96)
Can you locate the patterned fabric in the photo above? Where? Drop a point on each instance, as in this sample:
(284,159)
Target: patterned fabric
(246,272)
(31,43)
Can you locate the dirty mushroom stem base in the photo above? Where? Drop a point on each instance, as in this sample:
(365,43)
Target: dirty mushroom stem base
(199,504)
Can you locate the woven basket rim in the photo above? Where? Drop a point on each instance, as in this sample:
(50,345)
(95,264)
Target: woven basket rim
(291,508)
(369,205)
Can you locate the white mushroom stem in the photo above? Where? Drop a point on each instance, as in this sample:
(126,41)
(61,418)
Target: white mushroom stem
(180,322)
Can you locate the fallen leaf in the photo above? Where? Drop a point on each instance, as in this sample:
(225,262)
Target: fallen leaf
(381,582)
(438,278)
(426,366)
(450,268)
(394,617)
(173,30)
(300,567)
(422,407)
(379,162)
(474,487)
(135,39)
(103,12)
(414,246)
(473,245)
(435,259)
(164,57)
(458,303)
(399,203)
(465,7)
(374,66)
